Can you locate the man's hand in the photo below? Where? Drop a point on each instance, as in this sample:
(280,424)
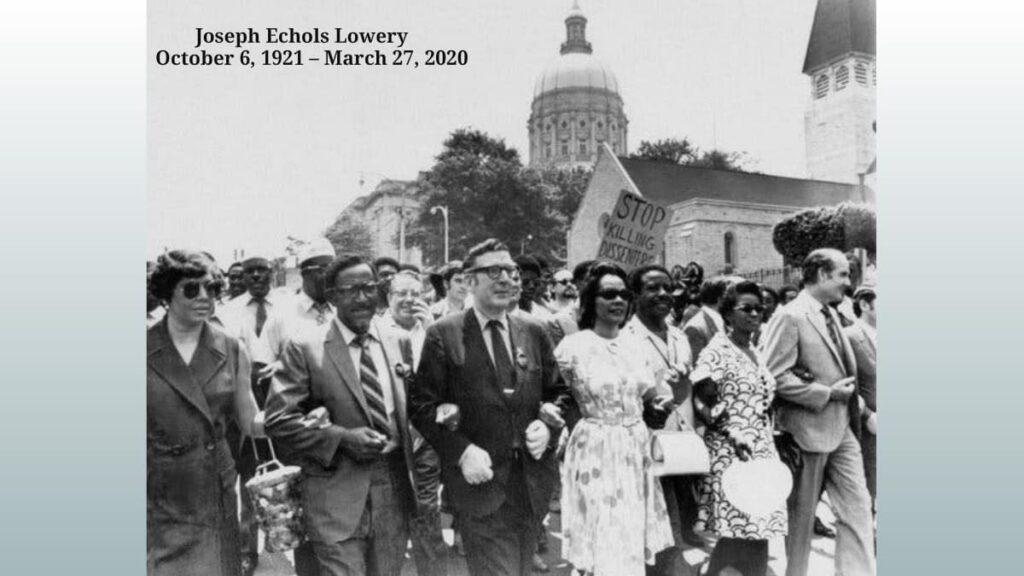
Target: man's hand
(476,465)
(317,419)
(872,423)
(744,449)
(421,312)
(537,437)
(363,444)
(843,389)
(269,370)
(657,410)
(551,415)
(448,415)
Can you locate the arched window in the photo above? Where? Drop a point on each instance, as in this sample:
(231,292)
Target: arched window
(842,77)
(860,73)
(821,86)
(730,249)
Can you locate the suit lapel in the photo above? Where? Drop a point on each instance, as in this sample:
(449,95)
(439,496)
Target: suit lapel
(337,350)
(814,315)
(165,360)
(209,357)
(520,343)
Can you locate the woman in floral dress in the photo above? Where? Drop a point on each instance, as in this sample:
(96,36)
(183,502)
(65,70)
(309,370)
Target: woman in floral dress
(733,390)
(613,510)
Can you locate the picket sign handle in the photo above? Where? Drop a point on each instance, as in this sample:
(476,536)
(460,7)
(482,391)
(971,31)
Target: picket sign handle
(266,466)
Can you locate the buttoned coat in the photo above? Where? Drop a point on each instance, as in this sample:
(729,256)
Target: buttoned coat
(317,370)
(455,367)
(797,337)
(191,508)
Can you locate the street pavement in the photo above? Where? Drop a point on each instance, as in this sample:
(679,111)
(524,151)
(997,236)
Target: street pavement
(822,556)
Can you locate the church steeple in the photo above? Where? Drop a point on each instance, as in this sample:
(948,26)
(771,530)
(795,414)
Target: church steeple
(576,32)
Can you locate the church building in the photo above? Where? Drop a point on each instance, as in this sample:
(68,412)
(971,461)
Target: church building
(724,219)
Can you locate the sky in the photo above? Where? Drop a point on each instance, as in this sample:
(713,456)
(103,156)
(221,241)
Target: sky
(240,159)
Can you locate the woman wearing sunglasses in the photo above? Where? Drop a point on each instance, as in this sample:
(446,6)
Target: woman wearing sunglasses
(614,518)
(197,379)
(743,499)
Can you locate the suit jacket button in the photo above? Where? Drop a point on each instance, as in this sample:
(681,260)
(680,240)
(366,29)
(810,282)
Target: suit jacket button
(210,446)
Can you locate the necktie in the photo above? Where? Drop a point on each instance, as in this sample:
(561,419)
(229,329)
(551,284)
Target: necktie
(833,330)
(502,363)
(371,386)
(261,315)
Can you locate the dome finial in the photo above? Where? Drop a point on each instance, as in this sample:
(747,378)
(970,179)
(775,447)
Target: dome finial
(576,31)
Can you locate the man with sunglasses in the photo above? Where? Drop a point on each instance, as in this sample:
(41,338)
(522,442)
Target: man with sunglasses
(357,465)
(531,282)
(498,369)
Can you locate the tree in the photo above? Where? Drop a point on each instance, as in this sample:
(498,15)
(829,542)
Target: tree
(488,194)
(350,234)
(686,154)
(668,150)
(843,227)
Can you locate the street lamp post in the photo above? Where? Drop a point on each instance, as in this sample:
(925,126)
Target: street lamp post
(444,212)
(522,244)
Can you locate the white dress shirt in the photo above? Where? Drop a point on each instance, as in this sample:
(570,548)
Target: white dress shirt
(383,371)
(290,318)
(417,335)
(483,319)
(241,313)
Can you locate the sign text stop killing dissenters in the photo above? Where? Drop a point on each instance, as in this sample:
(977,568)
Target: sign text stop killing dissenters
(633,234)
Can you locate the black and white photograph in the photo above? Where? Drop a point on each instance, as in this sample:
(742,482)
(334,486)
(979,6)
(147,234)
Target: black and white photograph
(495,288)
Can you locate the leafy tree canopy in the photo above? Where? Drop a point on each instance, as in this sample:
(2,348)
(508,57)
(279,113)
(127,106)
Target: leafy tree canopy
(683,152)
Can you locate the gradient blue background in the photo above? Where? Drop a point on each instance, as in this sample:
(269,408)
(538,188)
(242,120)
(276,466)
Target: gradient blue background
(951,177)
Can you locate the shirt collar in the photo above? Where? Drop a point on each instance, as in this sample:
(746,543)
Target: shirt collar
(350,335)
(483,319)
(307,304)
(715,317)
(269,299)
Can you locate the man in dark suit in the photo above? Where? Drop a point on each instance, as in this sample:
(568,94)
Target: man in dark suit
(862,338)
(358,487)
(497,467)
(821,412)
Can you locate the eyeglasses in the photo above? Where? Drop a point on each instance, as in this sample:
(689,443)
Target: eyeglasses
(751,308)
(494,272)
(407,294)
(626,295)
(190,289)
(368,289)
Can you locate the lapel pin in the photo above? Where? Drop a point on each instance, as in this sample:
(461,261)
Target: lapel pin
(401,370)
(521,358)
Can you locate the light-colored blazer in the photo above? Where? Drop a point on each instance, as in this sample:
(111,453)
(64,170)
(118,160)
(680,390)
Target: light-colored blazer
(862,339)
(317,370)
(797,337)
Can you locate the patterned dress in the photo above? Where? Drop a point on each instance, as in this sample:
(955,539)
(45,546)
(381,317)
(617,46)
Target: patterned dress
(746,390)
(613,511)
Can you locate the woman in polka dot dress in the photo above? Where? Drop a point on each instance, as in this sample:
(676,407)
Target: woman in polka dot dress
(614,517)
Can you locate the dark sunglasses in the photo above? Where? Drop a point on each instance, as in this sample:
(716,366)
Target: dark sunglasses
(190,289)
(494,272)
(751,308)
(257,271)
(626,295)
(368,289)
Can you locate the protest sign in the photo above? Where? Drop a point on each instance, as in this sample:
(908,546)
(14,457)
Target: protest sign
(633,234)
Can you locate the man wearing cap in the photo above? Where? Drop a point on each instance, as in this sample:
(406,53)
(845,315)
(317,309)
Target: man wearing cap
(310,306)
(247,316)
(862,340)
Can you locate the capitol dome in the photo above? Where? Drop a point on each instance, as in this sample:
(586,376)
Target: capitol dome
(576,104)
(576,70)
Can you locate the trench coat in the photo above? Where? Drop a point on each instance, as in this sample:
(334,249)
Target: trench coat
(191,509)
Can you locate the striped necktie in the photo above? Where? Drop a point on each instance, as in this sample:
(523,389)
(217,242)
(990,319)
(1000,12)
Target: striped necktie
(368,377)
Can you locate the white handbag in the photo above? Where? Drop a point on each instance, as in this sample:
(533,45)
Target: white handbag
(678,453)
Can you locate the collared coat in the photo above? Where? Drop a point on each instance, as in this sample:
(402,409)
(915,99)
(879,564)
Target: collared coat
(191,510)
(456,368)
(317,370)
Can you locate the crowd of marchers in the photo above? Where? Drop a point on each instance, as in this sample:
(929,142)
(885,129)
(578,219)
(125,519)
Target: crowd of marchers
(498,390)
